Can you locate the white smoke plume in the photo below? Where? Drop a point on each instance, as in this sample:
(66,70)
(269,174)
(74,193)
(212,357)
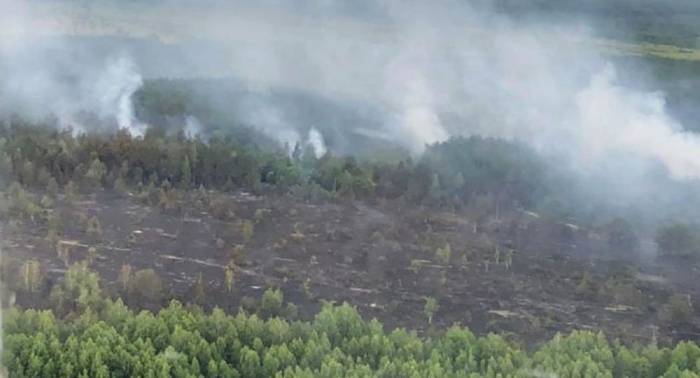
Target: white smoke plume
(426,70)
(193,128)
(616,120)
(315,140)
(114,89)
(46,76)
(271,121)
(444,68)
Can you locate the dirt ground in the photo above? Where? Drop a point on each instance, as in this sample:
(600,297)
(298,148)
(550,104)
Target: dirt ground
(517,274)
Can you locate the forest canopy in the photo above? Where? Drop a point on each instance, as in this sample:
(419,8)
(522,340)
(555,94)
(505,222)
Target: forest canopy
(104,338)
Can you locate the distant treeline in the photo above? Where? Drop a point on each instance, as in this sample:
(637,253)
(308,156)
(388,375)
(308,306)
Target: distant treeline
(452,173)
(669,22)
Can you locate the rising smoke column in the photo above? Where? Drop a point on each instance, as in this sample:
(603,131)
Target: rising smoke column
(430,70)
(616,120)
(193,128)
(114,90)
(317,143)
(98,96)
(49,74)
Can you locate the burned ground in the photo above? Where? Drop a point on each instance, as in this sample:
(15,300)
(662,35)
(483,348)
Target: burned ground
(519,273)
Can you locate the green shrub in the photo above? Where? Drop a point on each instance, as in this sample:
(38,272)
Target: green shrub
(430,308)
(147,286)
(679,310)
(271,303)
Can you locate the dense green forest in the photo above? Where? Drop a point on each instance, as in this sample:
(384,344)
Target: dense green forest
(94,337)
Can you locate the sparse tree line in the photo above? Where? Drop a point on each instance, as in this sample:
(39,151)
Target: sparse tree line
(87,336)
(37,156)
(485,175)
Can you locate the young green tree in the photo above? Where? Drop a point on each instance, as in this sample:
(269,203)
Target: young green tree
(247,230)
(70,192)
(21,203)
(94,228)
(430,308)
(271,304)
(679,309)
(124,278)
(31,275)
(444,254)
(229,277)
(96,172)
(79,290)
(147,286)
(198,291)
(91,255)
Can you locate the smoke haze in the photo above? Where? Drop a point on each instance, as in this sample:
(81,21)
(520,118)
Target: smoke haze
(413,73)
(45,76)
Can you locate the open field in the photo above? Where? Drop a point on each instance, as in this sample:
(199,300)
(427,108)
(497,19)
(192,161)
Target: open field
(179,24)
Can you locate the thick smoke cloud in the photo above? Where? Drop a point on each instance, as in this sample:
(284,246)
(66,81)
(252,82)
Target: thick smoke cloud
(617,120)
(43,76)
(415,73)
(445,68)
